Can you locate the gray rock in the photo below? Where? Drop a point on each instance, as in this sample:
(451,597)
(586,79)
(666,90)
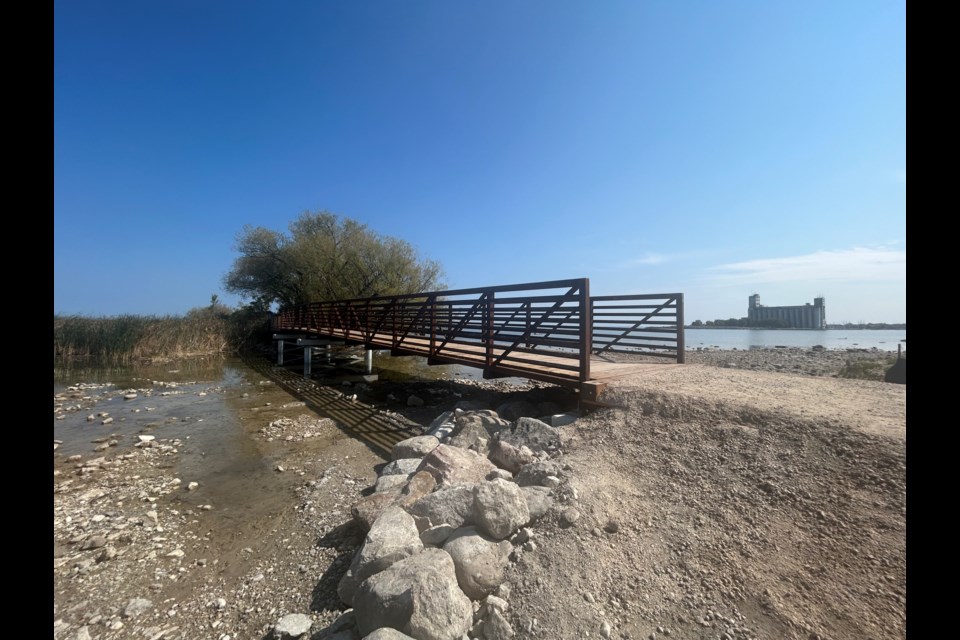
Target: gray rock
(539,501)
(414,401)
(83,633)
(473,426)
(480,561)
(404,466)
(499,508)
(368,508)
(415,447)
(536,473)
(533,434)
(499,473)
(437,535)
(563,419)
(345,621)
(569,517)
(496,627)
(418,486)
(385,483)
(93,542)
(493,602)
(452,465)
(418,596)
(292,625)
(508,457)
(517,409)
(392,538)
(136,606)
(452,506)
(386,633)
(442,426)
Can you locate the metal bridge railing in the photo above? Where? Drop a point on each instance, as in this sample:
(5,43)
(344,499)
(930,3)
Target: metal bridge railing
(650,324)
(538,330)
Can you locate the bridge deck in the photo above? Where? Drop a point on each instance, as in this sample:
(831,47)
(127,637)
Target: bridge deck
(547,367)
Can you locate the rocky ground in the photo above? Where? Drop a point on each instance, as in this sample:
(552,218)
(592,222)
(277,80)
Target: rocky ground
(684,517)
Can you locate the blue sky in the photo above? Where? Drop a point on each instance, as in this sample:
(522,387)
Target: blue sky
(715,148)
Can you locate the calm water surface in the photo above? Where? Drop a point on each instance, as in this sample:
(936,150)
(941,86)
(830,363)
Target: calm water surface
(883,339)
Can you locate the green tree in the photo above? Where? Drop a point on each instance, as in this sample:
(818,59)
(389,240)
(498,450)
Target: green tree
(326,257)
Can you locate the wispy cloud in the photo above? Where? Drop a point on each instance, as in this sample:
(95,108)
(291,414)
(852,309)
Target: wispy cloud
(646,259)
(857,264)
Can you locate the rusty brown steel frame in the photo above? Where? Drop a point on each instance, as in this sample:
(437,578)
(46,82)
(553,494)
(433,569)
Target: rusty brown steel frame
(541,330)
(536,330)
(649,324)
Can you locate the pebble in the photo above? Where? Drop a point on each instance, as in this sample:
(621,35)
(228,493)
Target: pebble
(569,517)
(193,485)
(605,629)
(136,606)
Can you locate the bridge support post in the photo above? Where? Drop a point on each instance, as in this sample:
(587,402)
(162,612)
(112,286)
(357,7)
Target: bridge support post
(329,352)
(368,362)
(307,361)
(279,352)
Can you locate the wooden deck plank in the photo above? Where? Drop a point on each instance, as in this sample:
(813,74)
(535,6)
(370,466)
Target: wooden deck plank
(602,370)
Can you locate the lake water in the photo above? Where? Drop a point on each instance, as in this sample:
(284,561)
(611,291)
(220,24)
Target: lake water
(883,339)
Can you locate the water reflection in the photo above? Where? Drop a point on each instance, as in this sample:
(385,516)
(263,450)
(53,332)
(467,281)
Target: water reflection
(131,376)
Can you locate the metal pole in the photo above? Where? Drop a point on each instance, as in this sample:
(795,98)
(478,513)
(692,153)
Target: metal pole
(329,354)
(280,352)
(368,362)
(307,361)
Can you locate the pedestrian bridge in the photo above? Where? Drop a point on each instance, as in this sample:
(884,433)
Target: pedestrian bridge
(551,331)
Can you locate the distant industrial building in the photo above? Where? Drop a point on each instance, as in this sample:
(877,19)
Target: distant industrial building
(806,316)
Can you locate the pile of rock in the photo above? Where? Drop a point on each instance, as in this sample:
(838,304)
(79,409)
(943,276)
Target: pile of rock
(447,515)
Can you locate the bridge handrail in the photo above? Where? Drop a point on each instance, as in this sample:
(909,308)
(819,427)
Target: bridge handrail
(634,328)
(470,326)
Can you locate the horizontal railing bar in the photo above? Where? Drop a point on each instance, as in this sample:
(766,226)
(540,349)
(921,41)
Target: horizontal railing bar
(645,296)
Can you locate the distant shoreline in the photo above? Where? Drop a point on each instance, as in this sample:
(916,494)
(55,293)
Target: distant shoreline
(895,328)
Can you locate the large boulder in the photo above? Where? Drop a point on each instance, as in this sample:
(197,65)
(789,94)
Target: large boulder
(480,561)
(508,457)
(366,510)
(452,505)
(474,426)
(533,434)
(386,633)
(539,500)
(393,537)
(403,466)
(451,465)
(499,508)
(418,596)
(386,483)
(415,447)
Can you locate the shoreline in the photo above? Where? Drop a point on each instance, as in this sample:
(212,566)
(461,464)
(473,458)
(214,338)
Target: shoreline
(139,550)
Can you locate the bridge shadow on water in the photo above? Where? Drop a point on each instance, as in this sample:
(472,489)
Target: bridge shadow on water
(377,430)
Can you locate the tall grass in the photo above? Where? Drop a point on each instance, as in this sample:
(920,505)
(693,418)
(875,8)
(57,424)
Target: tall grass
(132,338)
(867,369)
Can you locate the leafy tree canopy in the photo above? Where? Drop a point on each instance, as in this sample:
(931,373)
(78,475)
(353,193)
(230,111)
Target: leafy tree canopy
(326,257)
